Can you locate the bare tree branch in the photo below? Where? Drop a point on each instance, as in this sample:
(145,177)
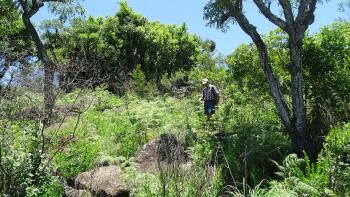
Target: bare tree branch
(270,16)
(307,17)
(288,12)
(301,10)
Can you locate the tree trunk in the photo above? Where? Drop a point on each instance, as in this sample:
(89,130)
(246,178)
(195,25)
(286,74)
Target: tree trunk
(270,75)
(294,120)
(48,73)
(301,140)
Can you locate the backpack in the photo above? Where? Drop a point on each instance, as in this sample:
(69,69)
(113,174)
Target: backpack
(216,95)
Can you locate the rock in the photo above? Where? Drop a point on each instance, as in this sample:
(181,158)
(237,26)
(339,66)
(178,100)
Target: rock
(71,192)
(159,152)
(102,182)
(105,181)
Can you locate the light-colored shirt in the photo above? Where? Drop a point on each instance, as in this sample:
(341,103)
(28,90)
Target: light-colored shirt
(209,93)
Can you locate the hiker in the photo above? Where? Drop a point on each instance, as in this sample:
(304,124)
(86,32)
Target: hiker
(210,96)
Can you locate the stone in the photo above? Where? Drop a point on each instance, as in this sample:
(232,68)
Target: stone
(103,182)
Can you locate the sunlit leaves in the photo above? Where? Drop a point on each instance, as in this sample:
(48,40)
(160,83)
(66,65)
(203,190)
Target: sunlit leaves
(122,41)
(66,9)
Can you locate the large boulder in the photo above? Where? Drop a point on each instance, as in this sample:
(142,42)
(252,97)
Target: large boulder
(103,182)
(159,152)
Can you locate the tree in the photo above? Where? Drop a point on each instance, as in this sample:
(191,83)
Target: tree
(298,15)
(14,44)
(28,9)
(326,58)
(344,5)
(119,43)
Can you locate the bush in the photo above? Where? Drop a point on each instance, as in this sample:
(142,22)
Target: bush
(191,179)
(142,87)
(248,136)
(77,157)
(177,83)
(23,166)
(337,154)
(330,176)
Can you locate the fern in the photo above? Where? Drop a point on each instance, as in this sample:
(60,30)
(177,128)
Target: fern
(293,176)
(290,166)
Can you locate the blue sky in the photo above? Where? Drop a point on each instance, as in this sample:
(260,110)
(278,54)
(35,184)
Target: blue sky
(191,12)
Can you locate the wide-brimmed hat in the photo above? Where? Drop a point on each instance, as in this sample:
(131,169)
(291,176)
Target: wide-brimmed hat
(205,81)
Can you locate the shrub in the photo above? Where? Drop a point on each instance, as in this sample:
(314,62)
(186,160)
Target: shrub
(190,179)
(142,87)
(248,136)
(337,154)
(328,177)
(23,166)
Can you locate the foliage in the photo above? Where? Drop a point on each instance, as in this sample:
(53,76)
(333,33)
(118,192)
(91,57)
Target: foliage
(15,47)
(336,153)
(23,172)
(217,77)
(117,129)
(244,70)
(176,80)
(298,16)
(66,9)
(328,177)
(129,54)
(117,44)
(344,5)
(140,86)
(248,136)
(78,156)
(327,60)
(103,100)
(10,22)
(179,180)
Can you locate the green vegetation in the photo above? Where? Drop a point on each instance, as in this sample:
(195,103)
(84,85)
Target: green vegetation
(122,82)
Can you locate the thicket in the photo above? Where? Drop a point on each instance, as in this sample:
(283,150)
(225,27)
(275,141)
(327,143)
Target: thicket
(108,49)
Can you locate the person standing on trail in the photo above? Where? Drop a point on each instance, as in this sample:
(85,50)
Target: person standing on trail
(210,96)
